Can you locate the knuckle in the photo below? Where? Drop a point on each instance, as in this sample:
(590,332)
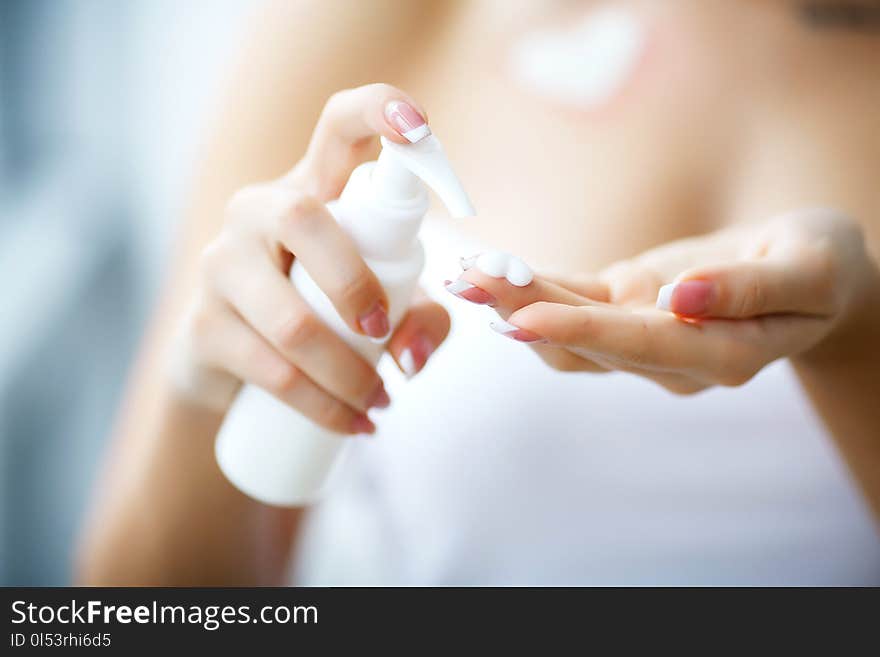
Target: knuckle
(298,210)
(239,204)
(332,413)
(295,330)
(214,259)
(283,379)
(336,100)
(635,284)
(357,291)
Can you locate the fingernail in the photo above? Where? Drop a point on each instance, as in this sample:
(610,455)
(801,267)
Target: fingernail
(379,398)
(516,333)
(363,424)
(686,298)
(406,120)
(415,355)
(467,263)
(469,292)
(374,323)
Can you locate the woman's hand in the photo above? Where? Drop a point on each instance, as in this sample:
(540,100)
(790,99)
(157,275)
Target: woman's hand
(696,312)
(248,323)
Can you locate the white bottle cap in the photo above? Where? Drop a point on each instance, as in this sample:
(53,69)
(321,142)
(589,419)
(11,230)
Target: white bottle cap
(400,165)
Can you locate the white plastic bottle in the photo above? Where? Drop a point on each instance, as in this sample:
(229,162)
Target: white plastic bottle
(265,448)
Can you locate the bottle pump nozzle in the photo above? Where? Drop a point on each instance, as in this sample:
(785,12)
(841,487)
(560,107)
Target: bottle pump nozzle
(396,174)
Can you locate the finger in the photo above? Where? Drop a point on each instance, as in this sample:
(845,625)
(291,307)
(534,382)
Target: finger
(271,305)
(752,288)
(421,331)
(305,227)
(577,359)
(585,285)
(344,132)
(651,340)
(506,283)
(235,347)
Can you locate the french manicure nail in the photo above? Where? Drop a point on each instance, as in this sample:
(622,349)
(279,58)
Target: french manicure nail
(379,398)
(362,424)
(690,298)
(374,322)
(469,292)
(415,355)
(468,262)
(406,120)
(516,333)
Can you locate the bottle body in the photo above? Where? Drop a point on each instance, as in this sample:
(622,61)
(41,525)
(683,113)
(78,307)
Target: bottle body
(270,451)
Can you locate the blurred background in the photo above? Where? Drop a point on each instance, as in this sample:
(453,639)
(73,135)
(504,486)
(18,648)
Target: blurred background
(101,111)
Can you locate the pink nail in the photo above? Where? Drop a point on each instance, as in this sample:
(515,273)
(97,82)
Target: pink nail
(516,333)
(690,298)
(469,292)
(374,323)
(413,358)
(404,118)
(379,398)
(362,424)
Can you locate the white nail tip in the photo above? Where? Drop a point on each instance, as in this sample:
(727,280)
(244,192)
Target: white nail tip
(502,327)
(381,340)
(458,286)
(417,134)
(664,297)
(498,264)
(407,363)
(467,263)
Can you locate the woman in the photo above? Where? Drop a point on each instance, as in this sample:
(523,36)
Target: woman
(695,164)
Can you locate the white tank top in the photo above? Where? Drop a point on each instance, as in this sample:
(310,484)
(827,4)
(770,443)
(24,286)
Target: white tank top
(491,468)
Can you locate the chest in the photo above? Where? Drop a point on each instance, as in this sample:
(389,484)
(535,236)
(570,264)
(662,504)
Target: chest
(579,187)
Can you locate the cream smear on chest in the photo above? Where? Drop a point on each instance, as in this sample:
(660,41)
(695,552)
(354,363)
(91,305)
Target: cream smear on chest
(584,66)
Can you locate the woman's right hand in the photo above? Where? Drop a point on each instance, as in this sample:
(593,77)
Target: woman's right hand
(247,322)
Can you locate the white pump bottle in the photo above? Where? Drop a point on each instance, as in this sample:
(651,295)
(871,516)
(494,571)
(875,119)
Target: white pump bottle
(265,448)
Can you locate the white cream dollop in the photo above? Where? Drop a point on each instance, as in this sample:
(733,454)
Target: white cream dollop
(499,264)
(585,65)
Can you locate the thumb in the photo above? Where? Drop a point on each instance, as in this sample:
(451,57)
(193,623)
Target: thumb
(745,289)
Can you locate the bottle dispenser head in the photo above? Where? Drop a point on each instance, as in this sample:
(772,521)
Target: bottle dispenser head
(400,167)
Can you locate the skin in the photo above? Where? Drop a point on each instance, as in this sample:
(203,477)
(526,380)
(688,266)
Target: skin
(703,168)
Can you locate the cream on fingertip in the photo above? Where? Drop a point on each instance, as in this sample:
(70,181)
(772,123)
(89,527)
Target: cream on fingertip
(499,264)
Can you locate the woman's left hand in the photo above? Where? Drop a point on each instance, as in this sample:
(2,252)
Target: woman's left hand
(703,311)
